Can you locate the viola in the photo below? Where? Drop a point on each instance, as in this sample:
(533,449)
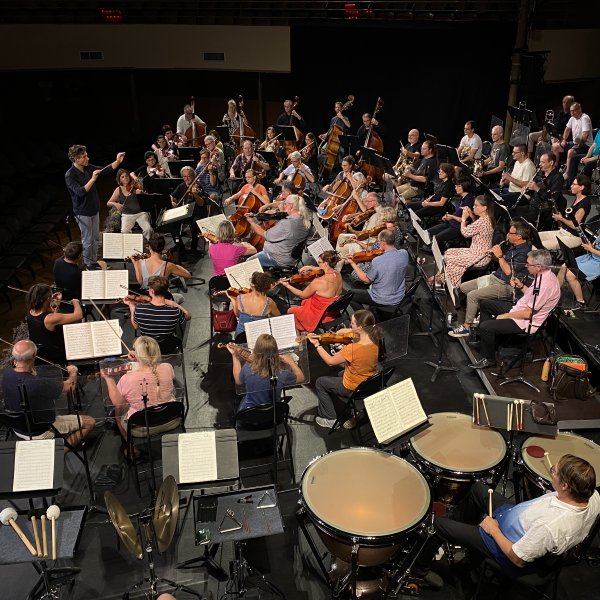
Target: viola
(232,292)
(331,337)
(305,277)
(271,216)
(136,299)
(364,256)
(211,237)
(367,233)
(241,352)
(362,217)
(137,256)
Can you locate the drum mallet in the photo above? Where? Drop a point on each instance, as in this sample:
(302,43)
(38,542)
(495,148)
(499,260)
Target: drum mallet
(9,517)
(32,517)
(53,513)
(44,535)
(490,492)
(549,461)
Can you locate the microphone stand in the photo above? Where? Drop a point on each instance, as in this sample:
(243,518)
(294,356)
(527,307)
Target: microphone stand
(152,481)
(273,383)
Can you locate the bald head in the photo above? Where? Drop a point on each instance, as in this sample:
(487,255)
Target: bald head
(24,351)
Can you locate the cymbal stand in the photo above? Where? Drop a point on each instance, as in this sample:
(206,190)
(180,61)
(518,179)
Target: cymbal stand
(240,567)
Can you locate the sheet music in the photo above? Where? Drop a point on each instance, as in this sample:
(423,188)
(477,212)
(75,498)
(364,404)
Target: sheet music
(437,254)
(34,465)
(197,454)
(254,329)
(105,341)
(407,404)
(317,248)
(209,225)
(78,341)
(114,282)
(92,285)
(175,213)
(450,288)
(423,234)
(283,329)
(112,245)
(239,275)
(133,243)
(383,416)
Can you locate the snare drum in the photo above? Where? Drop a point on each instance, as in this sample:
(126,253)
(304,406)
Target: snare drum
(454,452)
(536,470)
(367,497)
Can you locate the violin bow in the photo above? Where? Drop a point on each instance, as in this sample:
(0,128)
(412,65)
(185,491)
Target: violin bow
(38,357)
(111,327)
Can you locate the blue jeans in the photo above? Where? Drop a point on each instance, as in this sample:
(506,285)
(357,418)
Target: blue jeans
(266,260)
(90,237)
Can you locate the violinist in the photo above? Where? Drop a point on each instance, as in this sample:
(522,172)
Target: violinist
(152,168)
(45,322)
(296,170)
(251,186)
(124,201)
(309,153)
(254,305)
(189,119)
(368,123)
(233,119)
(285,235)
(217,156)
(149,376)
(164,155)
(422,178)
(185,193)
(172,148)
(317,295)
(207,170)
(159,317)
(385,278)
(290,117)
(359,360)
(256,375)
(271,143)
(287,189)
(248,159)
(224,253)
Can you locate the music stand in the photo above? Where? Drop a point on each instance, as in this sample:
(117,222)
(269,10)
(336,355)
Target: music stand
(189,153)
(351,143)
(450,155)
(287,132)
(376,160)
(153,204)
(161,185)
(271,158)
(175,166)
(223,131)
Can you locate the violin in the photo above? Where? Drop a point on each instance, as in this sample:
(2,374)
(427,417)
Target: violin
(111,371)
(137,256)
(232,292)
(211,237)
(136,299)
(331,337)
(364,256)
(362,217)
(365,234)
(241,352)
(305,277)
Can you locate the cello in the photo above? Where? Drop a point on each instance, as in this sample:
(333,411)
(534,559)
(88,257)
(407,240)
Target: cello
(373,141)
(251,203)
(340,192)
(290,145)
(243,132)
(195,132)
(332,142)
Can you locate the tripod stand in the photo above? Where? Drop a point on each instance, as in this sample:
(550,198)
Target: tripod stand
(208,561)
(240,567)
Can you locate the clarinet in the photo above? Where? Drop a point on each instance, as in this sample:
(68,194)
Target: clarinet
(580,230)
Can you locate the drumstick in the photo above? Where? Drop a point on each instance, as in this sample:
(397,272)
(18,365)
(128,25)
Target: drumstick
(507,418)
(547,456)
(487,418)
(477,407)
(490,492)
(522,403)
(516,405)
(36,534)
(510,414)
(44,535)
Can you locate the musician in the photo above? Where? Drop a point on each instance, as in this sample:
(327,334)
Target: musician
(185,193)
(317,295)
(309,152)
(150,376)
(412,148)
(450,227)
(286,235)
(189,119)
(589,160)
(420,179)
(224,253)
(548,192)
(233,119)
(518,536)
(217,155)
(359,360)
(338,120)
(67,272)
(42,394)
(511,261)
(254,305)
(385,278)
(470,146)
(163,153)
(152,168)
(544,292)
(495,163)
(368,122)
(347,164)
(443,190)
(81,182)
(45,322)
(207,171)
(252,185)
(287,189)
(290,117)
(567,223)
(247,159)
(271,144)
(559,122)
(124,200)
(296,167)
(522,172)
(159,317)
(579,131)
(256,375)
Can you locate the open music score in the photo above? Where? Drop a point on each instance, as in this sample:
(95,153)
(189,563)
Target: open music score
(34,465)
(282,328)
(239,275)
(104,285)
(197,454)
(317,248)
(395,411)
(172,215)
(92,339)
(423,233)
(209,224)
(118,246)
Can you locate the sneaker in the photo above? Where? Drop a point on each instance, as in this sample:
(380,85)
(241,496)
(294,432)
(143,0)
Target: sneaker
(578,305)
(350,423)
(322,422)
(460,331)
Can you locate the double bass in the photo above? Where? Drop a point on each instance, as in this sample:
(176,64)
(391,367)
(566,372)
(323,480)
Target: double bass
(195,132)
(373,141)
(242,132)
(332,142)
(291,145)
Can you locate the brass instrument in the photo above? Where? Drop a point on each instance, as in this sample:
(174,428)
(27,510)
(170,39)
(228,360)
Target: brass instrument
(477,167)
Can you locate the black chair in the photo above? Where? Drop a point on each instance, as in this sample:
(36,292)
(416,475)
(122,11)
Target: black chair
(256,423)
(162,418)
(368,387)
(340,306)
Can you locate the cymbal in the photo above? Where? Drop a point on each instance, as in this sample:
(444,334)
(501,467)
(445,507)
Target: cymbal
(123,525)
(166,510)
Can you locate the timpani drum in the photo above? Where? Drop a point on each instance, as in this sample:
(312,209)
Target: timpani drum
(367,497)
(536,470)
(454,452)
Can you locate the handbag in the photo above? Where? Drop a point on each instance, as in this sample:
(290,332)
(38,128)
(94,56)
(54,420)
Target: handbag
(570,379)
(223,321)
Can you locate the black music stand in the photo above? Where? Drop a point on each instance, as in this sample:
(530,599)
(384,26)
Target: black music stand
(153,204)
(450,155)
(286,132)
(223,131)
(270,158)
(377,160)
(189,153)
(162,185)
(350,143)
(175,166)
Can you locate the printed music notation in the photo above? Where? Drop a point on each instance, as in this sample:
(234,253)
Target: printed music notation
(394,411)
(34,465)
(104,285)
(282,328)
(209,224)
(317,248)
(92,339)
(121,245)
(197,454)
(239,275)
